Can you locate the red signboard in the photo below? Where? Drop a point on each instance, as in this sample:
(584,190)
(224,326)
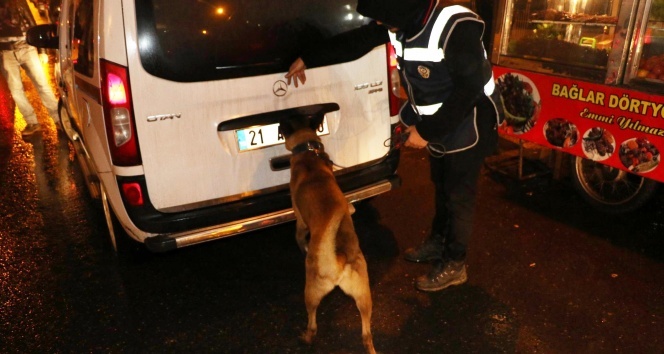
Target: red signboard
(615,126)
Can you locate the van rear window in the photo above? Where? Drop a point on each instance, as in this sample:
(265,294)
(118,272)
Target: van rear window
(210,40)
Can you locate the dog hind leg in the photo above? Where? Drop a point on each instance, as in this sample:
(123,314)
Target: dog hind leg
(314,291)
(356,285)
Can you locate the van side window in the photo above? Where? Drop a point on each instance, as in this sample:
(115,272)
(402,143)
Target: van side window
(82,40)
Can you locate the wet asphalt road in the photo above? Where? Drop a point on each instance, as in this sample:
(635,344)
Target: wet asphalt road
(547,274)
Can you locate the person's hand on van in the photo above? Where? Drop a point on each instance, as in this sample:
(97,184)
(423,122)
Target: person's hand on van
(414,138)
(296,72)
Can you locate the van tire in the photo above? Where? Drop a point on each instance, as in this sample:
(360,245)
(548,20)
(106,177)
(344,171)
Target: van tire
(609,189)
(122,244)
(65,121)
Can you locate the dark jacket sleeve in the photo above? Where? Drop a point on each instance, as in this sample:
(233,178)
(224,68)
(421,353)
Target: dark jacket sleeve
(346,46)
(465,61)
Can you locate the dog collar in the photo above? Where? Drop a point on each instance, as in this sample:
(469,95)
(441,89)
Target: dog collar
(311,145)
(314,146)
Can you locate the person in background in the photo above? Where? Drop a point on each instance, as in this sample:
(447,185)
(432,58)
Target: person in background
(15,19)
(450,110)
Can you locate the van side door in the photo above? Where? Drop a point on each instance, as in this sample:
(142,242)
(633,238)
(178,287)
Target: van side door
(67,57)
(86,98)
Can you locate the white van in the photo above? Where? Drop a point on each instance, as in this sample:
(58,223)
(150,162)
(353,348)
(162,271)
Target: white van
(173,107)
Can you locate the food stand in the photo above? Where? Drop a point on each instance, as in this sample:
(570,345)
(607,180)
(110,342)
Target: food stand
(586,77)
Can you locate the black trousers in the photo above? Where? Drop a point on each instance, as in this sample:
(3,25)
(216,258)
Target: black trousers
(455,180)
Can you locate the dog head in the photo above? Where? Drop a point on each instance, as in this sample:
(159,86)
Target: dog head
(297,129)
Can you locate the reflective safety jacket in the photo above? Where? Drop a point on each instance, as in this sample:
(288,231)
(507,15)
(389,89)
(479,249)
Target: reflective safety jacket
(424,74)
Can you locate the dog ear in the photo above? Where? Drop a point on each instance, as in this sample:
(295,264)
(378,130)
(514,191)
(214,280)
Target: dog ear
(316,121)
(285,127)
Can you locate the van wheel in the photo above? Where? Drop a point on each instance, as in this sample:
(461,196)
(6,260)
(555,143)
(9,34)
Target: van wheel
(609,189)
(122,244)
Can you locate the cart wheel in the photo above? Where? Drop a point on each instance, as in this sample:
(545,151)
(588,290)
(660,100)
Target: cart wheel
(609,189)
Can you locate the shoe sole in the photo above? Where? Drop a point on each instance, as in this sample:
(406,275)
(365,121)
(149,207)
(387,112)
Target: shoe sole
(459,281)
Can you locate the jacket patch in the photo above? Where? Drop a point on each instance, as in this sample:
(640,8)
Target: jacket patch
(424,71)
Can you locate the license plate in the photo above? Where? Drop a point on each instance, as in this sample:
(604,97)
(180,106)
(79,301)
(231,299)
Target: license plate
(266,135)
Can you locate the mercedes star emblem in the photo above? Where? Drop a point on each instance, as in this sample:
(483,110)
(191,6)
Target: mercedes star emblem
(280,88)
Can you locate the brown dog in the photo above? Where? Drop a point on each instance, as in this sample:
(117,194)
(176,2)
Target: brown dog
(333,255)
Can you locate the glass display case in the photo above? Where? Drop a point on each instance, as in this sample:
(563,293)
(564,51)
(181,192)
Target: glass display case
(577,38)
(646,64)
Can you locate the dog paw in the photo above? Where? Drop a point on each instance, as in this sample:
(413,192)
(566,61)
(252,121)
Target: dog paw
(308,336)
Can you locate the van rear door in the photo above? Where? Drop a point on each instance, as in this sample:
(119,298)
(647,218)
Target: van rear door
(199,67)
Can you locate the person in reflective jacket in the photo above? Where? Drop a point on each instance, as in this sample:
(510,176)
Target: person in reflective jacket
(450,110)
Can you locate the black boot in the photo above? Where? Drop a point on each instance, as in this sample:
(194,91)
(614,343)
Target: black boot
(443,275)
(429,250)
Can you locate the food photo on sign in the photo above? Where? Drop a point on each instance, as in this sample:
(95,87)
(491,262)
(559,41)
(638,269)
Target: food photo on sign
(521,102)
(560,132)
(598,144)
(639,155)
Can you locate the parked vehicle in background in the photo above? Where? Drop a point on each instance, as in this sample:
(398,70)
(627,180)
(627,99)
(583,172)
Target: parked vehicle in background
(587,79)
(173,109)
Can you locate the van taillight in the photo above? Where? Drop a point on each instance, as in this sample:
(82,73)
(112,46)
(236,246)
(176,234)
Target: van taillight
(118,115)
(116,91)
(394,81)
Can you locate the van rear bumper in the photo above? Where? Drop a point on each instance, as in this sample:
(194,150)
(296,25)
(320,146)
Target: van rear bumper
(165,243)
(176,230)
